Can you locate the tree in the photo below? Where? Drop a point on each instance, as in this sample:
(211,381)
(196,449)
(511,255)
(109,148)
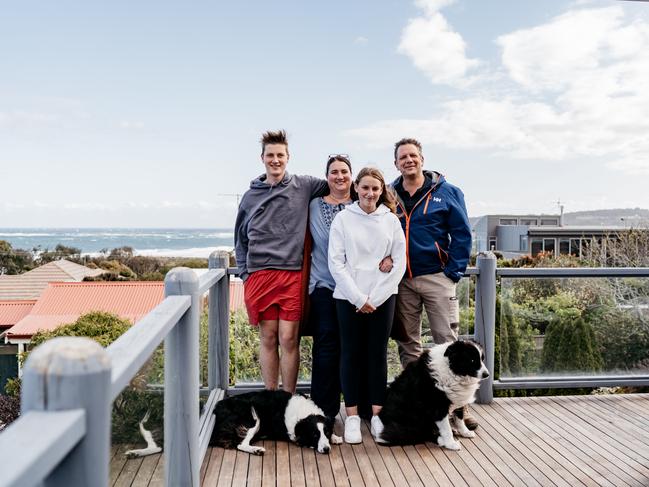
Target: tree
(121,253)
(14,261)
(570,346)
(60,252)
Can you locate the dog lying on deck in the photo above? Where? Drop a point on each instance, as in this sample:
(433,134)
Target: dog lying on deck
(422,399)
(273,415)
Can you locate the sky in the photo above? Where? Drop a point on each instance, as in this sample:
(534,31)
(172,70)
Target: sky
(149,113)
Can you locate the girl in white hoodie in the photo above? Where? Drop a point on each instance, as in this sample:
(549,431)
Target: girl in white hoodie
(361,236)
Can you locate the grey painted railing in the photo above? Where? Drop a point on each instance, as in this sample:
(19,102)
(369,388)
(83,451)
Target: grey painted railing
(62,437)
(485,325)
(63,434)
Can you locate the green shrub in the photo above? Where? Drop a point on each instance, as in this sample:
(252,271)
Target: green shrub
(131,405)
(570,346)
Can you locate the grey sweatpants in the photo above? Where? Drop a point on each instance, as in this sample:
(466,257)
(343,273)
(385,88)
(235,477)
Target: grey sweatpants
(436,294)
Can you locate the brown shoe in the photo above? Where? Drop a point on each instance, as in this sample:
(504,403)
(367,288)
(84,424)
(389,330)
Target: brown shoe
(470,421)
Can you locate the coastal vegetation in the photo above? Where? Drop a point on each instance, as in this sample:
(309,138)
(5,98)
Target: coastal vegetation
(121,263)
(549,327)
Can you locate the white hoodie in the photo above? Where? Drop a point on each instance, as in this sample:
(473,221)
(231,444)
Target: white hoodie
(358,241)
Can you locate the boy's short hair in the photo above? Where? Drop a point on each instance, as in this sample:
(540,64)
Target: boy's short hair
(271,137)
(406,141)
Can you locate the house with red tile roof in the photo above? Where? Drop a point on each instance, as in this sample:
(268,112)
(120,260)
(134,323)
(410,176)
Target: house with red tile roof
(29,285)
(11,312)
(64,302)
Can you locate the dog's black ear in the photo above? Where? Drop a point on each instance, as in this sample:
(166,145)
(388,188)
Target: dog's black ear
(300,429)
(451,350)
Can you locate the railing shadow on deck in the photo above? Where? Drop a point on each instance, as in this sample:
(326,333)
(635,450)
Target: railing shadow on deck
(63,434)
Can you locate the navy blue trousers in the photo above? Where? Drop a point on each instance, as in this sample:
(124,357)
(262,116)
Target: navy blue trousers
(325,371)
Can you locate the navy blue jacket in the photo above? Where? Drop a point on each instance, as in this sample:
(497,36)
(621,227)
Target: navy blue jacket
(438,234)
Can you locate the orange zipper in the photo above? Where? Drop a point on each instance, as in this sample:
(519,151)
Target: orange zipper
(428,195)
(427,201)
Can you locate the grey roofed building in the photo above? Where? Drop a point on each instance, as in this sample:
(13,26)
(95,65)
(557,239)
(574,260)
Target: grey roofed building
(517,235)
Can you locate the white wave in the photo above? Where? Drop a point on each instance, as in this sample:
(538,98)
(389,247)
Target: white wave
(201,252)
(22,234)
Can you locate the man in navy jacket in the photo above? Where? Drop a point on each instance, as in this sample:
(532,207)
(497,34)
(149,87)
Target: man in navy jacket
(438,238)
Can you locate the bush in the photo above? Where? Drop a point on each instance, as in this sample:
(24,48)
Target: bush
(244,351)
(131,405)
(570,346)
(9,410)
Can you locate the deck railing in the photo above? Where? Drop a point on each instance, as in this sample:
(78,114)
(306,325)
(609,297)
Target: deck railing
(63,435)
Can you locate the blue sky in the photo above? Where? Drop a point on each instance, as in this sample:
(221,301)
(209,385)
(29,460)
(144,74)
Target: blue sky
(149,113)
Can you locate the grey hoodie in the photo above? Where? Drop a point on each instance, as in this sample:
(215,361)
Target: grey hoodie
(271,223)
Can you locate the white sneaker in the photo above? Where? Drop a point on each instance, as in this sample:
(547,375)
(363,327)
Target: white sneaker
(353,430)
(376,428)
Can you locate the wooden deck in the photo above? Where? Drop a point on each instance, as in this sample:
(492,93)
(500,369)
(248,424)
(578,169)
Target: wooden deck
(559,440)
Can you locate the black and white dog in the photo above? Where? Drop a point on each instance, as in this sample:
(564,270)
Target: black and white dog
(426,394)
(273,415)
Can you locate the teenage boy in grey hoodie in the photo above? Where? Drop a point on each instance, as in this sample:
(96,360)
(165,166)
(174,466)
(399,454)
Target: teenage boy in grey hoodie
(269,244)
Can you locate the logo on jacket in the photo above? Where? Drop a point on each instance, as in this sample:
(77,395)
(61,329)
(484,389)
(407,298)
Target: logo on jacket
(436,199)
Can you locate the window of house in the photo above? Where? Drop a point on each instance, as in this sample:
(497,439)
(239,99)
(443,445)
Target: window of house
(575,246)
(536,246)
(523,243)
(549,221)
(493,241)
(508,221)
(564,246)
(548,245)
(530,222)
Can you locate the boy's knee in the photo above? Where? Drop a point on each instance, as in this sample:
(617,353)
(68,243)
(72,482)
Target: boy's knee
(288,341)
(269,340)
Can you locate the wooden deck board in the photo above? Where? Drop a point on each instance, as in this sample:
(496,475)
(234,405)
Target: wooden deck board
(268,473)
(213,461)
(128,473)
(563,467)
(117,463)
(590,448)
(297,465)
(535,441)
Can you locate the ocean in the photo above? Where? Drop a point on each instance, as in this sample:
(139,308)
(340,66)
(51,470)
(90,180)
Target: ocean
(168,242)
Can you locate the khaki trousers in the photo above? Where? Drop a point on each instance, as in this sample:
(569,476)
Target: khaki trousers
(436,294)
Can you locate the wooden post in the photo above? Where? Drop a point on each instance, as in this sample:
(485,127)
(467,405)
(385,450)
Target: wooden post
(181,395)
(73,373)
(219,324)
(485,318)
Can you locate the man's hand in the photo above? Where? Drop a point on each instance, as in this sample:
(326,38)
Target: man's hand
(366,308)
(386,264)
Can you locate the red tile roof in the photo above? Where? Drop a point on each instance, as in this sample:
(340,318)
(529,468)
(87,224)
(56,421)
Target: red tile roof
(64,302)
(30,284)
(11,312)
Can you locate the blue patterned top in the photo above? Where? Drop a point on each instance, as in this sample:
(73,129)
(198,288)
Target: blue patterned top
(321,214)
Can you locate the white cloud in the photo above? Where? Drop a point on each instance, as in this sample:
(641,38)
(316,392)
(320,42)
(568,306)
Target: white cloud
(21,118)
(571,46)
(434,47)
(433,6)
(576,90)
(361,40)
(126,124)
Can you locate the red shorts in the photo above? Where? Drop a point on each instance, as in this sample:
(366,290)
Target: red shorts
(273,294)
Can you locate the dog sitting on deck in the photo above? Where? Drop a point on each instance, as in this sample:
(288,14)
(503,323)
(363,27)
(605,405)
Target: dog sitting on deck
(272,415)
(429,392)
